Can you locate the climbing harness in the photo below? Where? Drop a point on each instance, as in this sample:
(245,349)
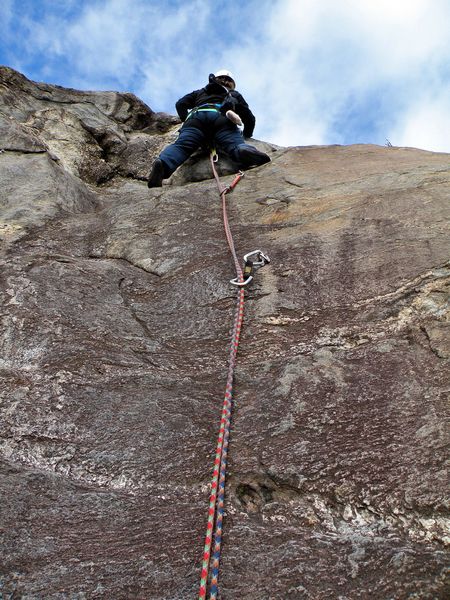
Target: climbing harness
(203,108)
(213,538)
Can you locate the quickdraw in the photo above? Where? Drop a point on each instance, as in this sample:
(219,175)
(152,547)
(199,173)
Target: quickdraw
(213,538)
(250,266)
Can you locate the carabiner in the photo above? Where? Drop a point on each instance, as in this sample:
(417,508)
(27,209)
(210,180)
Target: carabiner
(236,281)
(263,258)
(214,155)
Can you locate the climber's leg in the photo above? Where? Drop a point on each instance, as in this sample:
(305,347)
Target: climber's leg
(231,141)
(189,139)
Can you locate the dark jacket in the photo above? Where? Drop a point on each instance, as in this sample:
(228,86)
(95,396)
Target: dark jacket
(214,93)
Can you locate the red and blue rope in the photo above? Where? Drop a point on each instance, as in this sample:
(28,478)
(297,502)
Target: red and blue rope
(214,528)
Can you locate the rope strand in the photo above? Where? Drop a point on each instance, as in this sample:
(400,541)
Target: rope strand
(210,565)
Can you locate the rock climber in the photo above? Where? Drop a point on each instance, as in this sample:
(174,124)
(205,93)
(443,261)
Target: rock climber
(216,115)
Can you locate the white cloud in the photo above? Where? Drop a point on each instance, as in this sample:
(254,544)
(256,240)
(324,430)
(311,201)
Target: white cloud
(116,40)
(426,124)
(321,60)
(5,17)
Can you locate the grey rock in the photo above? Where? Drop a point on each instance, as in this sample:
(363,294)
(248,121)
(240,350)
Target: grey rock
(116,315)
(86,131)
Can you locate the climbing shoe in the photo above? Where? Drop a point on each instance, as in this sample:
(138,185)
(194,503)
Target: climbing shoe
(251,157)
(156,176)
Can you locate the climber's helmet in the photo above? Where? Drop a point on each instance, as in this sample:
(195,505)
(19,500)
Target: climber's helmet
(225,78)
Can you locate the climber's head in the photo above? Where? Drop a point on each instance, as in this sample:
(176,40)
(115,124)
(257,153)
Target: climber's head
(225,78)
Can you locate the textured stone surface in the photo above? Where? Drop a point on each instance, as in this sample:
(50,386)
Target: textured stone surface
(116,311)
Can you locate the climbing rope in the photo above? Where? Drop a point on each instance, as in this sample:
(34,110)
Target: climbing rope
(213,538)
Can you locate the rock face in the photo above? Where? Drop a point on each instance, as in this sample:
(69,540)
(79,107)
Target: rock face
(116,312)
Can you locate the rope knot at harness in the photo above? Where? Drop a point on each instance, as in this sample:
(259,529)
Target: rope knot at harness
(214,529)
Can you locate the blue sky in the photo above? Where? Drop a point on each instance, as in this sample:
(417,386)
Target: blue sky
(312,71)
